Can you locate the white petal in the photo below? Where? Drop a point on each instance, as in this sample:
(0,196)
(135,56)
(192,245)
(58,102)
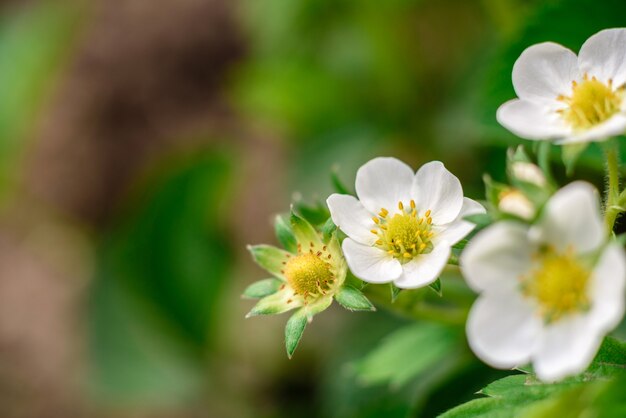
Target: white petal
(383,182)
(438,190)
(604,55)
(352,218)
(572,218)
(424,269)
(502,329)
(607,288)
(565,348)
(370,264)
(615,125)
(531,120)
(497,256)
(458,229)
(545,71)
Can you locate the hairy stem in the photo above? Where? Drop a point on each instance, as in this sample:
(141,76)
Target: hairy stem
(612,206)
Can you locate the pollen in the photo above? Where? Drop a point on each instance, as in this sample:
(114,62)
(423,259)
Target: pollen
(308,274)
(405,234)
(558,283)
(591,103)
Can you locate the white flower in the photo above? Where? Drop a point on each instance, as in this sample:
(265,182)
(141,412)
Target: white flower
(403,225)
(548,293)
(568,98)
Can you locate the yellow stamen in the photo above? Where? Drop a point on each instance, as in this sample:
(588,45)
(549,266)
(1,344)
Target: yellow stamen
(592,102)
(558,283)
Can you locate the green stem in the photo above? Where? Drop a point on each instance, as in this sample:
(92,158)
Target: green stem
(613,197)
(543,158)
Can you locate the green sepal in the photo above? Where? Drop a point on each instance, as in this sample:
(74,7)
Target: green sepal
(517,155)
(294,330)
(353,300)
(395,292)
(337,183)
(328,230)
(570,154)
(262,288)
(270,258)
(274,304)
(461,244)
(436,287)
(317,307)
(304,231)
(284,234)
(493,190)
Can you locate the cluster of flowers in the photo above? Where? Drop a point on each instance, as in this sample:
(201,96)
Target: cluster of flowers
(550,276)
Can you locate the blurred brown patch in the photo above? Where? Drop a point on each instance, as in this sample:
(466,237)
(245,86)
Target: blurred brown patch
(146,79)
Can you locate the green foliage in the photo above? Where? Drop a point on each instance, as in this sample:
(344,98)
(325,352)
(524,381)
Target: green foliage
(408,352)
(294,330)
(33,43)
(262,288)
(159,280)
(353,300)
(590,394)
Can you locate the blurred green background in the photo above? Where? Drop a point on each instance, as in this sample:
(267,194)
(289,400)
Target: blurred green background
(143,144)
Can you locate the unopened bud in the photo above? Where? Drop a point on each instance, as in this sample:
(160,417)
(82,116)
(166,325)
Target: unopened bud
(529,173)
(514,202)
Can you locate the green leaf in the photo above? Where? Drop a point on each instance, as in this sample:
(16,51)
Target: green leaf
(436,287)
(484,408)
(353,300)
(284,234)
(304,231)
(274,304)
(270,258)
(570,154)
(262,288)
(406,353)
(160,276)
(523,395)
(294,330)
(610,360)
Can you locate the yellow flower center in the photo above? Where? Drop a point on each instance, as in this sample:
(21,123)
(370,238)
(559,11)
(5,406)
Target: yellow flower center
(308,274)
(592,102)
(405,234)
(558,283)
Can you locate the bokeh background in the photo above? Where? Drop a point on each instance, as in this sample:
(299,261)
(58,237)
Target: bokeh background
(144,143)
